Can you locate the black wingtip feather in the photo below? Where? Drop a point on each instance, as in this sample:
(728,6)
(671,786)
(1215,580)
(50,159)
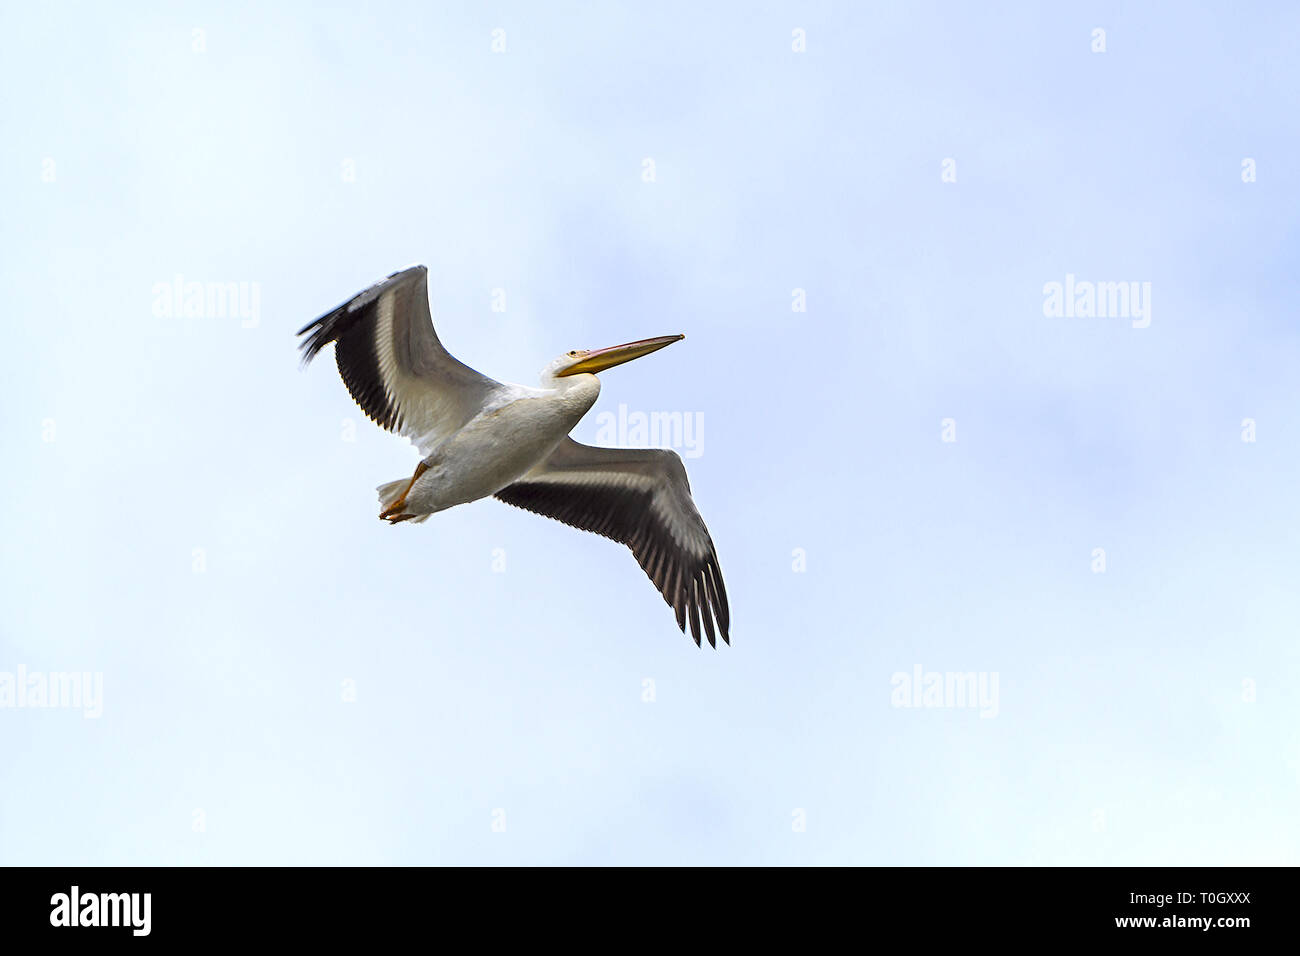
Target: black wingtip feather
(350,327)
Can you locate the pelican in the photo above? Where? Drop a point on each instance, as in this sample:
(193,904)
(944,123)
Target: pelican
(480,438)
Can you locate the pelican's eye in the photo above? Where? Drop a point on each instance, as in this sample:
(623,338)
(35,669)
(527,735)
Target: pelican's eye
(573,354)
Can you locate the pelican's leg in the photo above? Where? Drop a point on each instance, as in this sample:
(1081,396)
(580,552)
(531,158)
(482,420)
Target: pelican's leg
(395,509)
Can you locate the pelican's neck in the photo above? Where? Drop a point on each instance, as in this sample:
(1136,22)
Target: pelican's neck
(579,391)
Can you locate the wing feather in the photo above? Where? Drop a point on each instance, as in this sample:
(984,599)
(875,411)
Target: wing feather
(640,498)
(393,364)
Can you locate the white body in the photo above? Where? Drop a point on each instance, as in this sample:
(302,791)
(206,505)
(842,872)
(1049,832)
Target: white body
(511,436)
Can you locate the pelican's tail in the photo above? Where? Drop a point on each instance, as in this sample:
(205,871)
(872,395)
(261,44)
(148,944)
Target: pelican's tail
(390,493)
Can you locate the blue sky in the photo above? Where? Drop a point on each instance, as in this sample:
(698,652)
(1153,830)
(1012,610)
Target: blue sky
(192,518)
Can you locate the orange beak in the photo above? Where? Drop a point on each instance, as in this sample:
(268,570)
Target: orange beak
(617,354)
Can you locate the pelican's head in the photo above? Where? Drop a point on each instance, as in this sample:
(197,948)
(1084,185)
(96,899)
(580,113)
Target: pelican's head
(597,360)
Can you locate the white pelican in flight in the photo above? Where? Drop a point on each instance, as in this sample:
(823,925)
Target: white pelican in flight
(479,437)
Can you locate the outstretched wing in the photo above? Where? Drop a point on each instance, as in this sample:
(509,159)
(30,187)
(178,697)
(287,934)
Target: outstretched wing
(393,364)
(639,497)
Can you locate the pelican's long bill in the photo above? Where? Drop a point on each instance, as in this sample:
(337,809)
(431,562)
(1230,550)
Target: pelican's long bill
(601,359)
